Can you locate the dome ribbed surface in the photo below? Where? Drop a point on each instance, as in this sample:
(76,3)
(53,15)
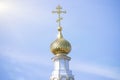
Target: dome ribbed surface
(60,46)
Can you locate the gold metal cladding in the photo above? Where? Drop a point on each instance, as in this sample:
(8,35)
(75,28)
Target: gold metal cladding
(60,46)
(59,12)
(59,28)
(59,33)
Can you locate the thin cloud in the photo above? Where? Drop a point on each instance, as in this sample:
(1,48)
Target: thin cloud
(24,60)
(24,66)
(82,67)
(22,57)
(95,69)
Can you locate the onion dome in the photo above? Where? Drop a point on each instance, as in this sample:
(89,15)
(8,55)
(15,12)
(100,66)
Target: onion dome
(60,46)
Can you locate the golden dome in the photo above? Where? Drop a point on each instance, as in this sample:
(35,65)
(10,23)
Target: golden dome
(60,45)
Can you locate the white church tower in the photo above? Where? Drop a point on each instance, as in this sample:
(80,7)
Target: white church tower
(60,48)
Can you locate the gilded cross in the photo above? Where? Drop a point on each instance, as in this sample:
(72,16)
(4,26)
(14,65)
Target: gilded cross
(59,12)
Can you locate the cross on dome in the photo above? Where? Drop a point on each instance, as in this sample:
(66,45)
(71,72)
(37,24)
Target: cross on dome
(60,47)
(59,12)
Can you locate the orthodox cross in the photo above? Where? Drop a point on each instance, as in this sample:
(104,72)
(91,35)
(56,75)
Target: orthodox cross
(59,12)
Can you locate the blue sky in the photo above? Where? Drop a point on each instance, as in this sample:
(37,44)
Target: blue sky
(27,28)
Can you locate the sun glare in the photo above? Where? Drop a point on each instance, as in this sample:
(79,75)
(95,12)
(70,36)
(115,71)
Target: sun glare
(3,7)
